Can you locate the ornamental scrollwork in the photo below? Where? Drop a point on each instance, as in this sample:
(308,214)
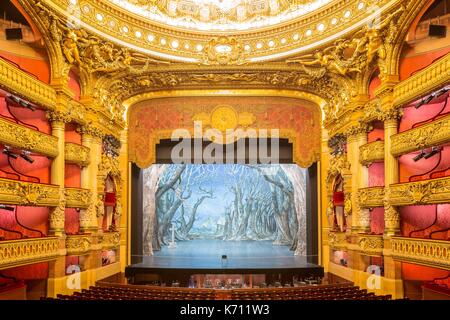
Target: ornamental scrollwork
(337,166)
(15,135)
(371,197)
(420,192)
(337,240)
(424,136)
(371,152)
(367,46)
(223,51)
(28,193)
(78,244)
(371,244)
(57,214)
(110,240)
(77,198)
(75,153)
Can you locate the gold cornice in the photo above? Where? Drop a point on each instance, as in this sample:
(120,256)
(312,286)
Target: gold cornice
(19,136)
(420,192)
(371,152)
(19,82)
(77,198)
(424,136)
(337,240)
(14,253)
(371,197)
(78,154)
(423,82)
(428,252)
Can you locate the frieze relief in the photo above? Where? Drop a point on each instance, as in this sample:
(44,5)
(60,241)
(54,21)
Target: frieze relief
(371,152)
(420,192)
(371,197)
(28,193)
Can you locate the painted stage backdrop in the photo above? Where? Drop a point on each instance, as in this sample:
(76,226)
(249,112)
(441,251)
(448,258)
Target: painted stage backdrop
(225,202)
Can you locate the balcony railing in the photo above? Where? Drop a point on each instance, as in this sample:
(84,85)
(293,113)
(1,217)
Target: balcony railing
(23,193)
(27,251)
(434,253)
(371,244)
(78,154)
(371,197)
(371,152)
(77,198)
(78,244)
(424,192)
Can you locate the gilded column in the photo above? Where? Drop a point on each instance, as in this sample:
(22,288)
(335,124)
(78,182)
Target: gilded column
(92,138)
(58,121)
(356,137)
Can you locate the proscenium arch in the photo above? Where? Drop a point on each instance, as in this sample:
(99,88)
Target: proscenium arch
(316,105)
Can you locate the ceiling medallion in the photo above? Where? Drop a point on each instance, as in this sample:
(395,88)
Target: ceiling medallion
(223,51)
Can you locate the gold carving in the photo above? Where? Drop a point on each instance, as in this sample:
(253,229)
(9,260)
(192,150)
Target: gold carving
(424,136)
(59,116)
(391,218)
(371,244)
(433,253)
(223,118)
(371,197)
(78,154)
(78,244)
(223,50)
(15,253)
(371,152)
(110,240)
(338,165)
(20,82)
(57,214)
(420,192)
(337,240)
(28,193)
(77,198)
(16,135)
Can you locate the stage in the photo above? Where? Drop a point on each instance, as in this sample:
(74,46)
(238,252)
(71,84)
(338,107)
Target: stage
(205,257)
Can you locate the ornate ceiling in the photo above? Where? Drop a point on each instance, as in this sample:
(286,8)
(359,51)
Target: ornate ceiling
(218,31)
(220,15)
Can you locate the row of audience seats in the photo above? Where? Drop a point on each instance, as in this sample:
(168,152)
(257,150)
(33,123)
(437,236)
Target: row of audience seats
(133,292)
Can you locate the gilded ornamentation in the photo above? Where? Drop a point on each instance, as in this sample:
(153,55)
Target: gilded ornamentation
(15,253)
(100,207)
(371,152)
(78,244)
(366,46)
(330,214)
(78,154)
(336,144)
(59,116)
(360,128)
(337,166)
(424,136)
(370,244)
(16,135)
(391,218)
(433,253)
(348,205)
(420,192)
(15,80)
(110,240)
(223,51)
(28,193)
(57,214)
(371,197)
(118,211)
(337,240)
(77,198)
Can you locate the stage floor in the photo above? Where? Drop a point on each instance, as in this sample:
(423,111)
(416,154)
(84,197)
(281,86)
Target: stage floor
(205,256)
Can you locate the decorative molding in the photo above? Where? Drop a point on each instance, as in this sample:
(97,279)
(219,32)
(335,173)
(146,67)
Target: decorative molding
(78,244)
(21,83)
(19,136)
(20,252)
(419,192)
(423,82)
(78,154)
(371,152)
(428,252)
(371,244)
(371,197)
(28,193)
(110,240)
(337,240)
(424,136)
(77,198)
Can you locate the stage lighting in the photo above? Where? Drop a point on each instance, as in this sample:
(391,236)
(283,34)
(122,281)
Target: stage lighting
(419,156)
(424,101)
(9,153)
(434,151)
(26,156)
(23,103)
(441,92)
(5,207)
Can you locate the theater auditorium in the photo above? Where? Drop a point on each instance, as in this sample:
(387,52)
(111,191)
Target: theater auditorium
(224,150)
